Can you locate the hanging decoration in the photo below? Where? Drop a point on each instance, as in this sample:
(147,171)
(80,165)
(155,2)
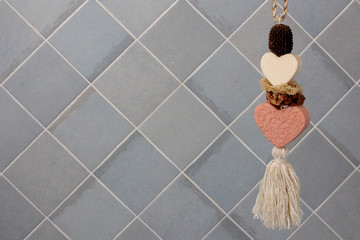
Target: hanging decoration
(281,119)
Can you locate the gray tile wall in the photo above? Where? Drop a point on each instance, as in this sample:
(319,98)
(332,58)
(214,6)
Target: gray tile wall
(133,120)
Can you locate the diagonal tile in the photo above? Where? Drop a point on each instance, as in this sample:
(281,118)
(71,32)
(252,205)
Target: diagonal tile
(226,15)
(91,128)
(314,229)
(342,210)
(17,129)
(136,172)
(91,213)
(137,231)
(323,81)
(182,212)
(227,230)
(252,38)
(226,171)
(246,128)
(46,231)
(18,216)
(342,126)
(314,16)
(46,16)
(17,42)
(91,40)
(46,173)
(320,168)
(333,39)
(137,15)
(227,83)
(136,83)
(45,84)
(242,214)
(182,39)
(182,127)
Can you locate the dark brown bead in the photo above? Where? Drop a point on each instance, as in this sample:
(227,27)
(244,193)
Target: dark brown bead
(280,99)
(280,40)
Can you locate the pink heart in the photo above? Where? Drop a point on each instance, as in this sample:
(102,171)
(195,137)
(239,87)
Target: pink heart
(281,127)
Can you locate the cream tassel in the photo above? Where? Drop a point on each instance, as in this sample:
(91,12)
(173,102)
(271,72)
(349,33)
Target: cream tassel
(278,201)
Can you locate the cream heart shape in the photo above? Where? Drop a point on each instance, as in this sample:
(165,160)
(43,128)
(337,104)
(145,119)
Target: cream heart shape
(280,70)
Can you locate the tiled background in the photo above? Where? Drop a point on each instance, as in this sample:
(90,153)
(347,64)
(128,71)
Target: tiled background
(133,119)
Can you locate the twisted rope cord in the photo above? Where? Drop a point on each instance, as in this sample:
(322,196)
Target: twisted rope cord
(282,17)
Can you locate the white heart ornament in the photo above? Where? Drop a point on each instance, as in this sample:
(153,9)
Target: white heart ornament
(280,70)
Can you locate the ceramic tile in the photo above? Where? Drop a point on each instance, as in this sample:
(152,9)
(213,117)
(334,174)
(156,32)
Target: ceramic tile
(333,39)
(136,172)
(46,231)
(343,128)
(226,171)
(320,168)
(252,38)
(136,84)
(182,212)
(18,216)
(45,84)
(314,229)
(46,173)
(181,127)
(226,15)
(227,83)
(342,210)
(91,213)
(246,128)
(227,230)
(242,214)
(137,231)
(91,128)
(182,39)
(17,129)
(17,42)
(137,15)
(46,16)
(314,16)
(91,40)
(323,81)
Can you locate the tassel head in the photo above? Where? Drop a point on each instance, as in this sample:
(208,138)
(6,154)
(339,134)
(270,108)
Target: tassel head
(278,202)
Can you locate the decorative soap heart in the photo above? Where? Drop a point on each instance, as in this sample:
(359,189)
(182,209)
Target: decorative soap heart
(281,127)
(280,70)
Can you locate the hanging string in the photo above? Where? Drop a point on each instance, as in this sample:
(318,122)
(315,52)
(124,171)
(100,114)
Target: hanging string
(282,17)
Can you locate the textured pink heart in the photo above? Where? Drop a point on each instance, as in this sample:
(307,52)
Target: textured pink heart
(282,126)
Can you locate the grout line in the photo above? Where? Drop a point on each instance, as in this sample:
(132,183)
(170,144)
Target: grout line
(338,187)
(300,226)
(334,60)
(247,108)
(247,59)
(331,143)
(314,40)
(166,99)
(26,198)
(326,224)
(213,228)
(326,199)
(334,19)
(126,227)
(315,126)
(22,63)
(42,126)
(214,202)
(38,33)
(227,38)
(67,19)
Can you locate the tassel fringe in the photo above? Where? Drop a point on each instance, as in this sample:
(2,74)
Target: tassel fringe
(278,202)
